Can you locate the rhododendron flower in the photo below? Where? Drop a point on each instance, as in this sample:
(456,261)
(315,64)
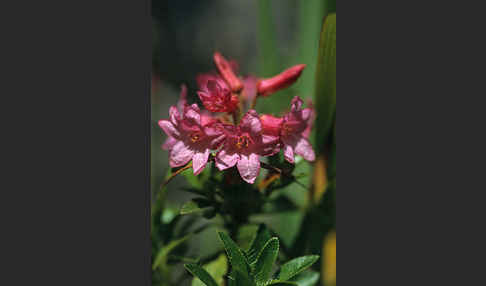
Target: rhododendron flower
(243,146)
(193,136)
(215,94)
(283,80)
(295,132)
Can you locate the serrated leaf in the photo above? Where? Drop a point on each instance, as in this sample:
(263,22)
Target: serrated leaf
(200,273)
(306,278)
(162,255)
(265,261)
(239,279)
(262,237)
(296,266)
(235,255)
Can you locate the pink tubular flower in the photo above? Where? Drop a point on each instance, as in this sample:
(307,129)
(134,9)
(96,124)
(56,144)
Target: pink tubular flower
(268,86)
(191,136)
(243,146)
(295,131)
(227,73)
(215,94)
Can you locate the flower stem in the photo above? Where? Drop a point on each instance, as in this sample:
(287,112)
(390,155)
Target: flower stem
(253,102)
(281,172)
(173,175)
(235,117)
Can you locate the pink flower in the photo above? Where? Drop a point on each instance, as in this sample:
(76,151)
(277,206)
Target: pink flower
(191,137)
(243,146)
(226,71)
(283,80)
(215,94)
(295,132)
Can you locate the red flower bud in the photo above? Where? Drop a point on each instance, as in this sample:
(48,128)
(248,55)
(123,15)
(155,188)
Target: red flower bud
(271,125)
(224,68)
(268,86)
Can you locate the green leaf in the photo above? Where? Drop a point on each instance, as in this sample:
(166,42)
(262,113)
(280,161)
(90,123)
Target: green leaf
(235,254)
(200,273)
(325,84)
(239,279)
(265,261)
(283,283)
(189,207)
(162,255)
(296,266)
(216,268)
(306,278)
(257,246)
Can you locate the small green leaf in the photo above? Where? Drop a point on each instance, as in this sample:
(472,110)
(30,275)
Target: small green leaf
(296,266)
(200,273)
(265,261)
(190,207)
(216,268)
(162,256)
(235,255)
(282,283)
(197,206)
(257,246)
(306,278)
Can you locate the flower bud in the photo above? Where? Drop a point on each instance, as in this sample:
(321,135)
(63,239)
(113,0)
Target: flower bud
(271,125)
(224,68)
(268,86)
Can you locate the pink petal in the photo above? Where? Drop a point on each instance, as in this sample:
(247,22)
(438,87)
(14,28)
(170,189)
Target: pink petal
(225,159)
(169,128)
(251,123)
(304,149)
(289,153)
(296,104)
(192,113)
(306,114)
(199,161)
(174,115)
(269,139)
(249,167)
(180,154)
(169,143)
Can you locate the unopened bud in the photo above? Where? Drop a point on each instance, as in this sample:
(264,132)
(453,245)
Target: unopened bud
(227,73)
(283,80)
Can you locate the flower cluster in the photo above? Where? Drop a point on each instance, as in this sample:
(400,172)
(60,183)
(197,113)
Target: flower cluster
(194,133)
